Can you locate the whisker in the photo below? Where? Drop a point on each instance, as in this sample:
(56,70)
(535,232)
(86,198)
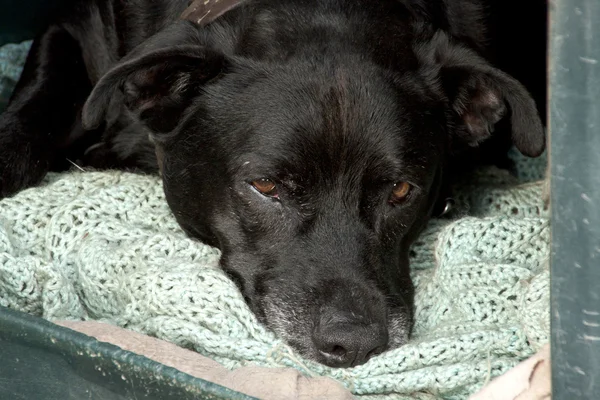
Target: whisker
(75,165)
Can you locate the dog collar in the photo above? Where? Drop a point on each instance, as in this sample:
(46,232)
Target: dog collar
(203,12)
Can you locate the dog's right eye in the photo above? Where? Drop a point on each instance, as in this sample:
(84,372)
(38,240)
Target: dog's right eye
(265,187)
(400,192)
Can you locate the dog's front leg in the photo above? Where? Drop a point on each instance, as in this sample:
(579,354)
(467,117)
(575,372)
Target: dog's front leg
(43,110)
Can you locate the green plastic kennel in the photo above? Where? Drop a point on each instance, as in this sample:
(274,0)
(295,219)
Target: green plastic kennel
(42,360)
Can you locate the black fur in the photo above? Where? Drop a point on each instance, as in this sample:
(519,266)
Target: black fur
(334,101)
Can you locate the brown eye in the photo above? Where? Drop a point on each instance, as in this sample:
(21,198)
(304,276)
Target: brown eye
(265,186)
(400,191)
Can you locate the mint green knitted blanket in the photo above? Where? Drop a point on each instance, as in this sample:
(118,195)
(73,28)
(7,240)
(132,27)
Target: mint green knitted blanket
(104,246)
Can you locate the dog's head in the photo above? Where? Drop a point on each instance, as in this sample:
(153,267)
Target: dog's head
(314,176)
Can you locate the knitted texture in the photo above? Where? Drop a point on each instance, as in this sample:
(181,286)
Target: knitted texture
(104,246)
(12,58)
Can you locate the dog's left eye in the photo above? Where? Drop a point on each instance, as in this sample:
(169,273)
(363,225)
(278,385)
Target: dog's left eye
(266,187)
(400,192)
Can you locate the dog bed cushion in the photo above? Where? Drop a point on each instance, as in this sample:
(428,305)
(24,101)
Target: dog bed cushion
(104,246)
(258,382)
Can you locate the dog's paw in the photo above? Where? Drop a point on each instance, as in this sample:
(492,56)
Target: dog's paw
(23,161)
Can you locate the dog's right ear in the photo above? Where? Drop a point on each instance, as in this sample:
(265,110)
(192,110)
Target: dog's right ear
(158,85)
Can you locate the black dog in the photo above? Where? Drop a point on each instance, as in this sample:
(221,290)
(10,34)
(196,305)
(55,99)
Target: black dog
(309,140)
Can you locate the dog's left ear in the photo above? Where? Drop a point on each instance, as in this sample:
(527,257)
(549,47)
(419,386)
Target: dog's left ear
(481,96)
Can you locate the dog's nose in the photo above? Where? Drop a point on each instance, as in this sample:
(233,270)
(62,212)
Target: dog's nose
(349,344)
